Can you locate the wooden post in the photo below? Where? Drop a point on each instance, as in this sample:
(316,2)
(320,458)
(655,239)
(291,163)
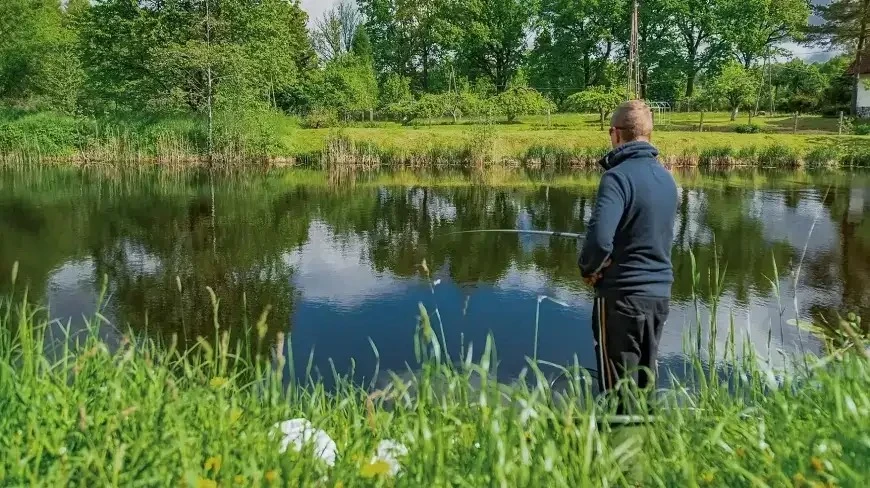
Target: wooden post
(701,125)
(794,127)
(840,125)
(548,117)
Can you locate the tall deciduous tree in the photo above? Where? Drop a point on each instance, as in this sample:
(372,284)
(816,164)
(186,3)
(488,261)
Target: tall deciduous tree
(37,62)
(409,37)
(755,26)
(700,42)
(735,86)
(333,34)
(845,24)
(493,42)
(598,99)
(155,55)
(577,41)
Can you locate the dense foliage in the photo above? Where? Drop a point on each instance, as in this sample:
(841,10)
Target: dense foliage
(410,60)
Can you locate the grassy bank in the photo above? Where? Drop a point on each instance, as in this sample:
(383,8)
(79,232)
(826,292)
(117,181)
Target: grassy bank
(136,413)
(565,140)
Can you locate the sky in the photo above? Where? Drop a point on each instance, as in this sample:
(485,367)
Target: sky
(315,8)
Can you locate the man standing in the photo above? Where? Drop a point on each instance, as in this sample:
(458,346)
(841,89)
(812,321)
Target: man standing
(627,252)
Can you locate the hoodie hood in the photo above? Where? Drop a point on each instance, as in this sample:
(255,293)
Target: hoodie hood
(629,150)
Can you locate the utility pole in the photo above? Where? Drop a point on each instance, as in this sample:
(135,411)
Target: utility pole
(634,56)
(209,101)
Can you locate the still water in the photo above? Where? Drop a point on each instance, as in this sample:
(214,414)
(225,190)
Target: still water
(338,266)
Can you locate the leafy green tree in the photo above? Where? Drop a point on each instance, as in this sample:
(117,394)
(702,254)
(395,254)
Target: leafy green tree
(409,37)
(699,41)
(348,85)
(845,24)
(798,86)
(598,99)
(735,86)
(38,65)
(755,27)
(493,40)
(518,99)
(583,31)
(463,101)
(395,89)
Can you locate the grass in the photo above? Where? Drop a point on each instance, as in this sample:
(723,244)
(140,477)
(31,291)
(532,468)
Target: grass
(571,140)
(134,412)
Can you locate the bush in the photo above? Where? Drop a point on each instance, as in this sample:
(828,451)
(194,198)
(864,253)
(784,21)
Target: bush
(747,129)
(716,156)
(834,110)
(861,129)
(779,156)
(823,157)
(320,118)
(747,154)
(45,133)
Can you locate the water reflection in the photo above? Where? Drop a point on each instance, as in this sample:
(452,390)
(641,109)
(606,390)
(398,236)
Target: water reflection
(339,266)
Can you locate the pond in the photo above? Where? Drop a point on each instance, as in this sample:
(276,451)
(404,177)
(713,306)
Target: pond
(339,268)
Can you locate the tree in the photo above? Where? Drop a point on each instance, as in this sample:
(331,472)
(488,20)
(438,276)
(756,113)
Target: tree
(754,27)
(155,55)
(598,99)
(699,40)
(38,65)
(735,86)
(347,84)
(581,30)
(845,25)
(518,99)
(409,37)
(798,85)
(493,41)
(333,34)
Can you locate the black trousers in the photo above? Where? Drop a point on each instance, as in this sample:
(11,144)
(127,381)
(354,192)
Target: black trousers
(627,331)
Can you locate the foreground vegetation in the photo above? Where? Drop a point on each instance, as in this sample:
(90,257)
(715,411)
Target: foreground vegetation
(133,412)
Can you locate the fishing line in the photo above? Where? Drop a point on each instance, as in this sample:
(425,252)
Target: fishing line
(569,235)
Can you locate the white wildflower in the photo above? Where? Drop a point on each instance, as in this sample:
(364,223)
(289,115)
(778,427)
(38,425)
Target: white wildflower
(300,432)
(389,452)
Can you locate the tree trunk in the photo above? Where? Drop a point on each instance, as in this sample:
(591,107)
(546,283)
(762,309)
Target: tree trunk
(733,114)
(601,120)
(690,85)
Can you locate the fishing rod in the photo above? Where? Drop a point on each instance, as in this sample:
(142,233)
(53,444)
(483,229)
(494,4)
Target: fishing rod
(569,235)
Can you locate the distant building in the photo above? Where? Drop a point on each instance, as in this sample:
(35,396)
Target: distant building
(863,104)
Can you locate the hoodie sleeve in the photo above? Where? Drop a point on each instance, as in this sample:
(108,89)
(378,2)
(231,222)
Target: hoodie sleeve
(609,208)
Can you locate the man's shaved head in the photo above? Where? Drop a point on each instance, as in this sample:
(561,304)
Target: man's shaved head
(633,120)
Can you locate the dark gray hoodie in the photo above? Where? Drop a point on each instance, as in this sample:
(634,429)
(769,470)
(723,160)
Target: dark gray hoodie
(632,224)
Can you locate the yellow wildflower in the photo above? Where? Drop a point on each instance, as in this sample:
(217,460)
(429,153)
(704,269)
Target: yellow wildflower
(206,483)
(707,477)
(817,464)
(235,415)
(213,464)
(271,476)
(218,382)
(377,468)
(239,479)
(798,480)
(339,484)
